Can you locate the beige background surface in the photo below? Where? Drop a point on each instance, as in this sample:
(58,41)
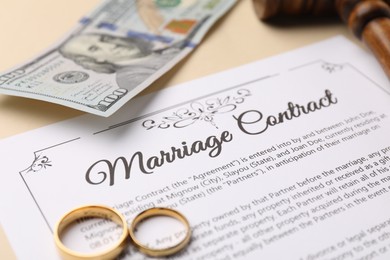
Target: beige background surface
(29,27)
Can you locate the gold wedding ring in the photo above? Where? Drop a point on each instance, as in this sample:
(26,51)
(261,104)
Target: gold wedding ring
(97,211)
(153,212)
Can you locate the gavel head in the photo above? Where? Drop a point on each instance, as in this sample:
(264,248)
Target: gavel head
(355,13)
(266,9)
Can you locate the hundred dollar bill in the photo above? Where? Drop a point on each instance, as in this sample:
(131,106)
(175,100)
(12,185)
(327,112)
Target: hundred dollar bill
(115,52)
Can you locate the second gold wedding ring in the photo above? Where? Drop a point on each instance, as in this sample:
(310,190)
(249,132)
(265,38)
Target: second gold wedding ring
(153,212)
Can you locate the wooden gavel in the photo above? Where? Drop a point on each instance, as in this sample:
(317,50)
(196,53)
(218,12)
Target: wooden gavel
(369,20)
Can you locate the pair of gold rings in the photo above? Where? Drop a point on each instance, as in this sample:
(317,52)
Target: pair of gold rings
(100,211)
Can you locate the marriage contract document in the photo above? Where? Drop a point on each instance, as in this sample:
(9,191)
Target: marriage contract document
(285,158)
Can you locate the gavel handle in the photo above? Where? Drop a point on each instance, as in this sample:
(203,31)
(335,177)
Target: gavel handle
(370,22)
(376,35)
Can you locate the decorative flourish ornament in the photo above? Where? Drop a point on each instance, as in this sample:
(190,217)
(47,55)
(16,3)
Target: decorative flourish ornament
(199,111)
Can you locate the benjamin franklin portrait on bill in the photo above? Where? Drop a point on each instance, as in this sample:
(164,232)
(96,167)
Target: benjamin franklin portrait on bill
(133,59)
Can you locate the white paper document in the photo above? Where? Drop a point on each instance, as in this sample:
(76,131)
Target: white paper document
(285,158)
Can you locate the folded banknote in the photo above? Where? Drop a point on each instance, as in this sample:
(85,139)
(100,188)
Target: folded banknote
(114,52)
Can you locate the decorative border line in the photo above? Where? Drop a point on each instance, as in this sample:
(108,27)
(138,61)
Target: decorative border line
(342,65)
(369,79)
(305,65)
(178,105)
(28,188)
